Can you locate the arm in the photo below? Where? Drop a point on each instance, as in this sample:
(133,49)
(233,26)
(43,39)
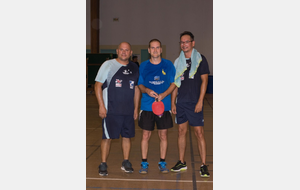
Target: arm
(203,88)
(167,92)
(137,95)
(173,100)
(150,92)
(171,76)
(99,95)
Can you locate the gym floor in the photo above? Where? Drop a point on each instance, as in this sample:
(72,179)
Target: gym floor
(153,180)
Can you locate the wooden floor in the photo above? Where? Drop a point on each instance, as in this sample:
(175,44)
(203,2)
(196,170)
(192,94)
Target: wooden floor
(154,180)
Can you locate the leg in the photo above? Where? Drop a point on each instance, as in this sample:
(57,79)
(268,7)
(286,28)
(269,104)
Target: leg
(181,164)
(144,143)
(163,134)
(182,129)
(126,147)
(105,147)
(126,165)
(199,132)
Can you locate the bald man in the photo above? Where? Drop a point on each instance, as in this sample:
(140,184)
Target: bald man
(118,98)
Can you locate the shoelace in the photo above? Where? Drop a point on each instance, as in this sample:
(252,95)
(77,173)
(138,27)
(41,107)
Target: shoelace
(103,167)
(205,167)
(144,164)
(179,163)
(128,164)
(163,164)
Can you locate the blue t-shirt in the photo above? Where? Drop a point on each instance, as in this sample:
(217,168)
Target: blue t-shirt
(118,87)
(189,90)
(157,78)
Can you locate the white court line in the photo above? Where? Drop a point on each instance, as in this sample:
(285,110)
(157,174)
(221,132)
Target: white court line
(119,179)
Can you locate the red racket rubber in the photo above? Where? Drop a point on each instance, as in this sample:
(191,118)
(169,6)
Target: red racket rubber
(158,108)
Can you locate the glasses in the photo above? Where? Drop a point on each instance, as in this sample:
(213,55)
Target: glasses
(186,42)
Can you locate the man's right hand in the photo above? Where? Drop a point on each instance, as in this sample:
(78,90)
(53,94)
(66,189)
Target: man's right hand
(102,112)
(151,93)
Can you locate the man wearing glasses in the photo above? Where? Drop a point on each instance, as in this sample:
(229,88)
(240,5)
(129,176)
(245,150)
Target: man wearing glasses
(191,83)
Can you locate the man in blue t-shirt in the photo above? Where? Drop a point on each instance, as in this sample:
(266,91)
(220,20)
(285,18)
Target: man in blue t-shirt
(191,82)
(156,81)
(118,97)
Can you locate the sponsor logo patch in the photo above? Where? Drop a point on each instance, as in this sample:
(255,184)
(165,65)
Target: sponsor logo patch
(118,83)
(131,84)
(127,72)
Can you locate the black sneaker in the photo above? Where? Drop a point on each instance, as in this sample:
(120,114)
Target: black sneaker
(179,167)
(103,169)
(204,171)
(126,166)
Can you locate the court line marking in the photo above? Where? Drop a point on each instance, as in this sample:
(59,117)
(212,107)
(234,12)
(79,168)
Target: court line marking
(154,180)
(93,152)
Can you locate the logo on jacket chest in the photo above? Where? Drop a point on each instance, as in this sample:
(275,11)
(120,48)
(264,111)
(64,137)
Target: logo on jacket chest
(127,72)
(156,78)
(131,84)
(157,81)
(118,83)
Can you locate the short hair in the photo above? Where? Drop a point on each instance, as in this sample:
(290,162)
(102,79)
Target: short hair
(187,33)
(134,56)
(154,40)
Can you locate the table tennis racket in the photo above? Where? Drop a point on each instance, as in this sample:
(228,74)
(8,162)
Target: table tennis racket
(158,107)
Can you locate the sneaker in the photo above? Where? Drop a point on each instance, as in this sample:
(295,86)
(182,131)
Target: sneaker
(204,171)
(144,168)
(179,167)
(103,169)
(162,167)
(126,166)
